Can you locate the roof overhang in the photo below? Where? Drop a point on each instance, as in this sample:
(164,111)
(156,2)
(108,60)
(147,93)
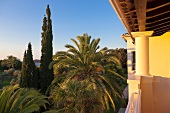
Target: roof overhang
(144,15)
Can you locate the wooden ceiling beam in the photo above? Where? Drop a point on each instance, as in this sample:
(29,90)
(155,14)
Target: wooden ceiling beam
(160,6)
(140,6)
(157,34)
(157,21)
(116,5)
(157,25)
(164,16)
(158,14)
(128,14)
(161,31)
(155,3)
(165,27)
(133,11)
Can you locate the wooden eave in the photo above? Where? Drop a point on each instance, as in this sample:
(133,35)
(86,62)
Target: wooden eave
(144,15)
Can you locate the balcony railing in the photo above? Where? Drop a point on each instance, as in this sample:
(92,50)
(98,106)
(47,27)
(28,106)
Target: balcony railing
(134,104)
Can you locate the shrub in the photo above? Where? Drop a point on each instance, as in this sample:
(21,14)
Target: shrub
(11,71)
(17,73)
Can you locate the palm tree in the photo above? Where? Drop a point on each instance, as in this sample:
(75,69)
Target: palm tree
(21,100)
(86,63)
(72,97)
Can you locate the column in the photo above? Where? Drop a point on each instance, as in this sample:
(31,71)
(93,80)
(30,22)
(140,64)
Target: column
(142,70)
(133,81)
(142,52)
(130,49)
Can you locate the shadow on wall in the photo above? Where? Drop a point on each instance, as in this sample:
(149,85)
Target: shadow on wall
(155,94)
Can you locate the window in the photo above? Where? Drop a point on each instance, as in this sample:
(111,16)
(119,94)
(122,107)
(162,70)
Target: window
(133,60)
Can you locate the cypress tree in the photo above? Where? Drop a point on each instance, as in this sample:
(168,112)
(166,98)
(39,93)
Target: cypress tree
(23,81)
(31,69)
(46,74)
(29,74)
(0,65)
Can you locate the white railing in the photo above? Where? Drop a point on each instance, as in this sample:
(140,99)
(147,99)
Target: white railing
(138,102)
(134,104)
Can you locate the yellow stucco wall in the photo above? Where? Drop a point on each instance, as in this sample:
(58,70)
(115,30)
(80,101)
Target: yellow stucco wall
(159,55)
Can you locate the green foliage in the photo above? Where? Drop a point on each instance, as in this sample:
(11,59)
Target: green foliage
(14,81)
(11,62)
(86,63)
(21,100)
(17,73)
(75,96)
(16,78)
(29,74)
(0,66)
(10,71)
(121,54)
(6,82)
(46,75)
(23,80)
(5,79)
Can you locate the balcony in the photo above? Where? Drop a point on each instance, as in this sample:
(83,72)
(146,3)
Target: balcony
(152,96)
(134,105)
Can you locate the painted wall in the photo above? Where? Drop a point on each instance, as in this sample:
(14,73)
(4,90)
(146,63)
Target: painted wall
(155,94)
(159,55)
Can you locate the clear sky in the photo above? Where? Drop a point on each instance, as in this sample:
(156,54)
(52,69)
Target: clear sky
(21,21)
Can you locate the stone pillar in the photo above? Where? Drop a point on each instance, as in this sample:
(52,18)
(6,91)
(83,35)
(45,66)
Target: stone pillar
(130,49)
(133,81)
(133,86)
(142,52)
(142,70)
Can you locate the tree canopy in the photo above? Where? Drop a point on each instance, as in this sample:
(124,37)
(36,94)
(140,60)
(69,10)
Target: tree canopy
(11,62)
(87,64)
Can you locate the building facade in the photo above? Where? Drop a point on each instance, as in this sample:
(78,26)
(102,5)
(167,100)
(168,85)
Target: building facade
(148,43)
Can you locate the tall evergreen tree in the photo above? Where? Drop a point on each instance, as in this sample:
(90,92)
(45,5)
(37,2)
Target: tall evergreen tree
(29,74)
(46,74)
(0,65)
(31,69)
(23,81)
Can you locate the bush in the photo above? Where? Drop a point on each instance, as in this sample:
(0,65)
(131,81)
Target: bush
(14,81)
(6,82)
(17,73)
(5,76)
(11,71)
(5,71)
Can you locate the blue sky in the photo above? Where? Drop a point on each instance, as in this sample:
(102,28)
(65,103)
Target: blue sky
(21,22)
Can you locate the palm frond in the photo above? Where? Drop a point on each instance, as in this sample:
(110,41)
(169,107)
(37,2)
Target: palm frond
(21,100)
(87,64)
